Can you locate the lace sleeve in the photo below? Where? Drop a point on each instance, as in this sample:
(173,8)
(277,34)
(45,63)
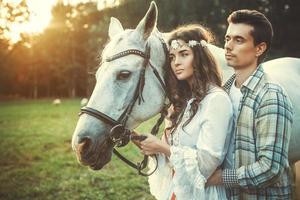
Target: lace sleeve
(193,165)
(160,180)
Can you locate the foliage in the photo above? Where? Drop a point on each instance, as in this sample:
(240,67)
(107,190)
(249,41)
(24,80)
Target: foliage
(62,60)
(12,13)
(37,162)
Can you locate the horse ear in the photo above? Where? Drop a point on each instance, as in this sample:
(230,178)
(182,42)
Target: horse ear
(115,27)
(148,23)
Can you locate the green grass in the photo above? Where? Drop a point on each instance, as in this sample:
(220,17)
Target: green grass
(37,162)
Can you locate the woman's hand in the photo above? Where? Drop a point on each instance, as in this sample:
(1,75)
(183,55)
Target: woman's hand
(152,145)
(135,141)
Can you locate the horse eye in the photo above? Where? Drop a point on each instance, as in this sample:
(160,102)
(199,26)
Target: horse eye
(123,75)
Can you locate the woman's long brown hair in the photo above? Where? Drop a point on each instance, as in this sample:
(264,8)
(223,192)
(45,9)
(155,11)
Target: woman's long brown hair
(205,73)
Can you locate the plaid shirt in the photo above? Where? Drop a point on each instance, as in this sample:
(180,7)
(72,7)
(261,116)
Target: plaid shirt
(261,141)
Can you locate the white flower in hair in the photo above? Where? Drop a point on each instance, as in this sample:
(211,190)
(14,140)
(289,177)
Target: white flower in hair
(175,44)
(203,43)
(192,43)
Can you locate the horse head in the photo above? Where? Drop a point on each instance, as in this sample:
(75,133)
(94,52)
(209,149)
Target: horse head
(127,92)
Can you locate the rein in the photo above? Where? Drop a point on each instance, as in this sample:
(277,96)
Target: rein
(119,135)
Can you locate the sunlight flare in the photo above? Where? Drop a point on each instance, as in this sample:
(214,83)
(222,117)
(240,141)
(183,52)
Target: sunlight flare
(39,16)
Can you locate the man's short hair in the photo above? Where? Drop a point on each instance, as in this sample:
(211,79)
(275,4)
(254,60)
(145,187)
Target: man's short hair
(262,28)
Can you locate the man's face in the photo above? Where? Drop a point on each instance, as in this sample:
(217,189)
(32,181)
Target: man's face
(240,51)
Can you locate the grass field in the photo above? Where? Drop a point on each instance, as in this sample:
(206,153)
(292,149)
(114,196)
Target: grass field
(37,162)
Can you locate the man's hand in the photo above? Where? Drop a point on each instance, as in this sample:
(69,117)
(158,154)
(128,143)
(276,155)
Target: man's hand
(215,178)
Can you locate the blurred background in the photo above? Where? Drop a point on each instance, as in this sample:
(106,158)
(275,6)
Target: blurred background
(49,49)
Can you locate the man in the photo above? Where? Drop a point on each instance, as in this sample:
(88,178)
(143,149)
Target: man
(263,115)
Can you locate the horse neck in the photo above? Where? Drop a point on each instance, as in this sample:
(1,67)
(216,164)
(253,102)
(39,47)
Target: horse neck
(157,54)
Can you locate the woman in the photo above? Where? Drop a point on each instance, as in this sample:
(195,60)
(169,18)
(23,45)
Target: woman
(196,139)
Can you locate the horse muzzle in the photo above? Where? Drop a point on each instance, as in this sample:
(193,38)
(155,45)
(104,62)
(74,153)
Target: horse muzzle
(93,155)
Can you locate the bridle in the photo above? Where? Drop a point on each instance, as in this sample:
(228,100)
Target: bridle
(119,135)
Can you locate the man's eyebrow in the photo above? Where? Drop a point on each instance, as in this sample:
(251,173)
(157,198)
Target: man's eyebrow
(239,37)
(235,37)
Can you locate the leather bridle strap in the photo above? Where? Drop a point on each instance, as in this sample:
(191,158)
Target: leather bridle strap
(159,78)
(140,85)
(99,115)
(122,120)
(124,116)
(125,53)
(139,166)
(145,55)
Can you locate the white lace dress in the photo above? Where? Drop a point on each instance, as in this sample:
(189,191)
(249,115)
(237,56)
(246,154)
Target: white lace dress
(198,149)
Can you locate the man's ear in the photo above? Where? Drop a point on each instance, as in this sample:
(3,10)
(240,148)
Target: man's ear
(261,48)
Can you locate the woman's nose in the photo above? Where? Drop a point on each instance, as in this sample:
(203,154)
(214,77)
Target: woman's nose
(176,60)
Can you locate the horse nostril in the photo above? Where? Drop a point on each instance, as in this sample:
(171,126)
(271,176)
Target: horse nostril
(84,144)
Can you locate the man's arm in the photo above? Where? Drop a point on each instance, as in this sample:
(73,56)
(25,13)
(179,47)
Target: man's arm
(273,128)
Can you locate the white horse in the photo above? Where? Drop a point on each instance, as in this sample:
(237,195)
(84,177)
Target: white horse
(117,80)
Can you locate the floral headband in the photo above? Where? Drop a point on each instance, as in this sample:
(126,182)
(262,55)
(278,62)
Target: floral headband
(191,43)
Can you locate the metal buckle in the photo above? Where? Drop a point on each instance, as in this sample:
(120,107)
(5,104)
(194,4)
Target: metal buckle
(119,135)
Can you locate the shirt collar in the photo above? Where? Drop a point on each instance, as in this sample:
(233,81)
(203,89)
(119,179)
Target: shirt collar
(229,83)
(254,80)
(251,83)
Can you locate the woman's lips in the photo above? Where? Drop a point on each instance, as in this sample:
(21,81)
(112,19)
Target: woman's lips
(179,71)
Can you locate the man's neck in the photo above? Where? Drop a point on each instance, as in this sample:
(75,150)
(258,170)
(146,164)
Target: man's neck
(243,74)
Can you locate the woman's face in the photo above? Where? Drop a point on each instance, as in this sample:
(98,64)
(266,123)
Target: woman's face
(181,58)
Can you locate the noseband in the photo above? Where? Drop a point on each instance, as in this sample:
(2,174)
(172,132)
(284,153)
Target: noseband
(119,135)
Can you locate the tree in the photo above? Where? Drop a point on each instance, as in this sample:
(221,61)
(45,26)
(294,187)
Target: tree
(62,60)
(11,14)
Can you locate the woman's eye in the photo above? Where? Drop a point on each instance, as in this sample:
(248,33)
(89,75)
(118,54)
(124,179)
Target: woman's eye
(184,54)
(123,75)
